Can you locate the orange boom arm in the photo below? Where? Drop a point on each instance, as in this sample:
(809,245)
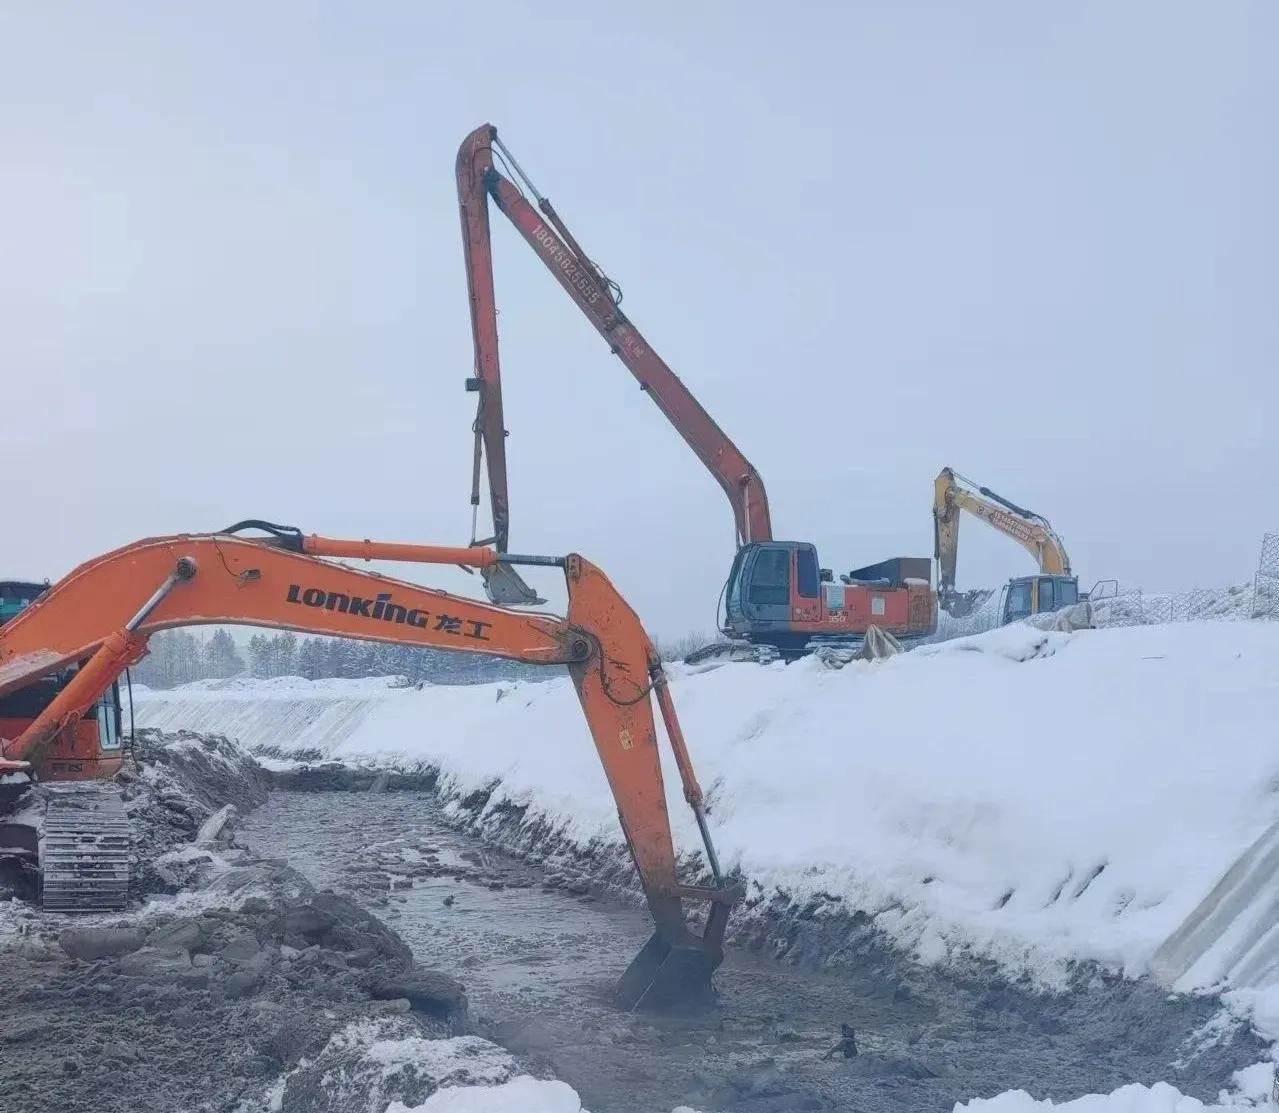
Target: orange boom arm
(478,180)
(102,614)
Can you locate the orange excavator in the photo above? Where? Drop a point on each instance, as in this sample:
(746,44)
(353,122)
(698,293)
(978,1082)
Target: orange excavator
(79,635)
(776,595)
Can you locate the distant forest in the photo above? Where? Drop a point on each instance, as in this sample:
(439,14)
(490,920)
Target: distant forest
(180,656)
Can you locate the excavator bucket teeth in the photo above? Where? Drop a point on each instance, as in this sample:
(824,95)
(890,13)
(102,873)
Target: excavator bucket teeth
(663,976)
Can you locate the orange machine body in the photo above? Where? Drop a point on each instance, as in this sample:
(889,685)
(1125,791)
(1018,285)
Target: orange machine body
(100,616)
(76,753)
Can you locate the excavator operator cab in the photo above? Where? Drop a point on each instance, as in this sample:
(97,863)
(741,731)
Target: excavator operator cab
(766,580)
(93,744)
(17,595)
(1028,595)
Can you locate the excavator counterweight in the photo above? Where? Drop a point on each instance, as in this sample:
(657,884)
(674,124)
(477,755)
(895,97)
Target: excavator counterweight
(97,621)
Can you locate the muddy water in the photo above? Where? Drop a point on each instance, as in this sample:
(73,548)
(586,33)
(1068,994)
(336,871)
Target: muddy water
(539,963)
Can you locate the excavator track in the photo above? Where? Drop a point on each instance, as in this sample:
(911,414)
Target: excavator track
(85,856)
(739,651)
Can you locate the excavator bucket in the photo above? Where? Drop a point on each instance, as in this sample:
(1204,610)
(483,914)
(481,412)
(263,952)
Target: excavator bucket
(960,604)
(506,587)
(668,975)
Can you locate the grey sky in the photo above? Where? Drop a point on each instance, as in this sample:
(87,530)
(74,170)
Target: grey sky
(1033,241)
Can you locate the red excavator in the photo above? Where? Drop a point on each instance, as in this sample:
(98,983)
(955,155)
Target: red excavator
(777,594)
(65,647)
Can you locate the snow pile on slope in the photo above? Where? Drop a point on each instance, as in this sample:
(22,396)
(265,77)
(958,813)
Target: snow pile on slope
(1253,1089)
(281,687)
(1031,796)
(290,712)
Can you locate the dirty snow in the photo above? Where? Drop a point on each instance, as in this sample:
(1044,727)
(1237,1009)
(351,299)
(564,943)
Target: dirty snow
(371,1058)
(1031,796)
(520,1095)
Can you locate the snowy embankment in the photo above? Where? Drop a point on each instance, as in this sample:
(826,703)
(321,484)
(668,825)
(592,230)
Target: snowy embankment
(305,716)
(1030,797)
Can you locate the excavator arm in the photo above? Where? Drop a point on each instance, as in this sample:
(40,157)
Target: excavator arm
(478,180)
(102,614)
(954,493)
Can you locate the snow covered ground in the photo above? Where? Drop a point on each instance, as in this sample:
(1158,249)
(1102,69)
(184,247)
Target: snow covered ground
(1031,797)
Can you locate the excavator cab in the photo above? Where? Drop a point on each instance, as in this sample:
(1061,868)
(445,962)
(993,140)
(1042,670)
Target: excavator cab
(769,580)
(88,750)
(17,595)
(778,595)
(1029,595)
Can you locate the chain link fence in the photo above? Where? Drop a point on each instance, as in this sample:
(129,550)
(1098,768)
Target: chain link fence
(1265,587)
(1126,607)
(1260,599)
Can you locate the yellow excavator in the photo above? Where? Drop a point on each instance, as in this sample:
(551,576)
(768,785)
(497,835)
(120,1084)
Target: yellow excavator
(1053,588)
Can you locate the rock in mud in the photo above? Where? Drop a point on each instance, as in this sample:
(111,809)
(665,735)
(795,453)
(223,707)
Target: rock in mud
(185,935)
(242,949)
(428,991)
(150,962)
(241,983)
(339,924)
(92,943)
(371,1063)
(215,831)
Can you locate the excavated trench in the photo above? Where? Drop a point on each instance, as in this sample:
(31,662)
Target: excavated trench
(539,954)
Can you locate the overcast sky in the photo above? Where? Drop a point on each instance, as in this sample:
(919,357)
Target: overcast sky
(1033,241)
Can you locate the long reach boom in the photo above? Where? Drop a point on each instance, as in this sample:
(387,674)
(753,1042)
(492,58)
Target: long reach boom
(599,298)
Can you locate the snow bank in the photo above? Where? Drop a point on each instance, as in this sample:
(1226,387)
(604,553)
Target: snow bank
(1033,797)
(1253,1088)
(288,712)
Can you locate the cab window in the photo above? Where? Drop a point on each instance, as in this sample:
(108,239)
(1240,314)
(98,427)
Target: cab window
(770,578)
(108,725)
(806,573)
(1046,596)
(1067,593)
(1019,600)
